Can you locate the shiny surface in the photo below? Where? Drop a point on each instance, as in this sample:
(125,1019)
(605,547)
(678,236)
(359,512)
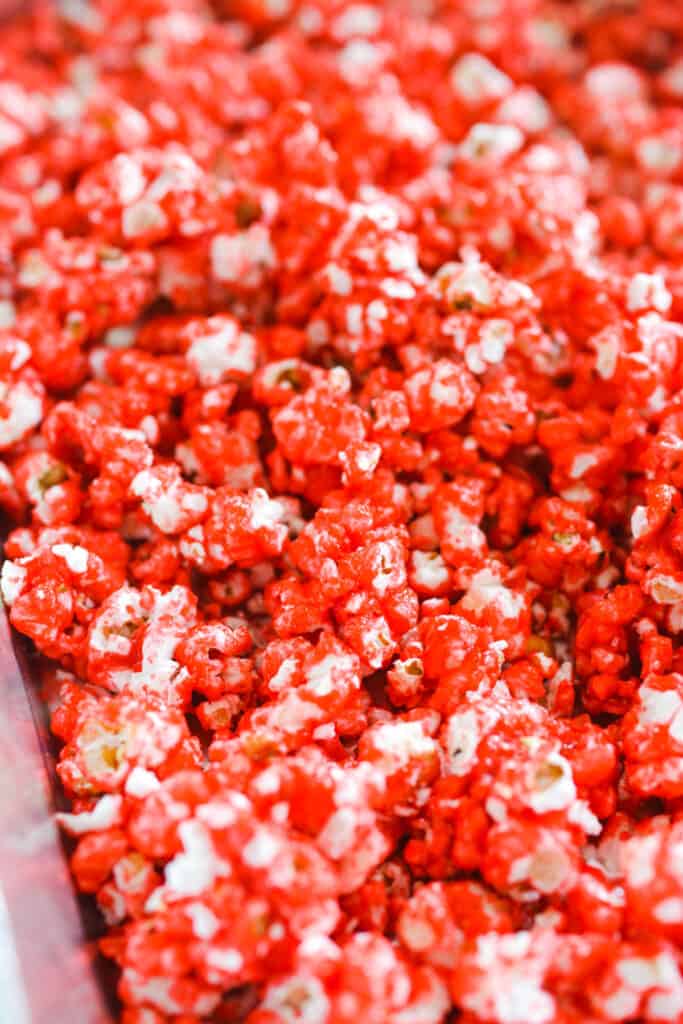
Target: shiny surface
(47,974)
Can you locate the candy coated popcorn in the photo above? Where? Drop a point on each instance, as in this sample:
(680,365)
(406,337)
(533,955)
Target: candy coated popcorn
(341,362)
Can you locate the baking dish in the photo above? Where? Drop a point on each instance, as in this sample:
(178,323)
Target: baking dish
(49,971)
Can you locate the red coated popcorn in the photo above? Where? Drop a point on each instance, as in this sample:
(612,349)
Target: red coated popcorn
(651,737)
(341,362)
(217,349)
(318,425)
(122,736)
(439,396)
(502,978)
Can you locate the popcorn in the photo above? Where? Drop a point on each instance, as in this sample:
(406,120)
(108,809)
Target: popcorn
(340,357)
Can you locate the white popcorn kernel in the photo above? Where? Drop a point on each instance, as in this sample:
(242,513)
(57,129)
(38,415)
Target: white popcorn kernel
(606,345)
(354,318)
(581,464)
(74,555)
(648,291)
(340,280)
(526,108)
(509,991)
(549,869)
(665,589)
(357,20)
(487,589)
(104,815)
(23,411)
(142,217)
(554,786)
(661,707)
(429,570)
(309,20)
(156,992)
(467,284)
(141,782)
(12,581)
(266,513)
(230,960)
(242,256)
(120,337)
(205,924)
(128,181)
(338,834)
(261,850)
(486,142)
(402,741)
(642,973)
(82,14)
(224,350)
(660,154)
(281,679)
(462,740)
(639,522)
(318,332)
(477,80)
(474,360)
(324,732)
(196,868)
(610,80)
(669,911)
(494,337)
(8,313)
(298,1000)
(357,58)
(322,677)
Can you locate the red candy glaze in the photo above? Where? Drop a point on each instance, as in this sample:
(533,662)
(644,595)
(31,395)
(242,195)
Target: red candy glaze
(341,349)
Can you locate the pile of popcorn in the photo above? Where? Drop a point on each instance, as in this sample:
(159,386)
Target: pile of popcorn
(341,423)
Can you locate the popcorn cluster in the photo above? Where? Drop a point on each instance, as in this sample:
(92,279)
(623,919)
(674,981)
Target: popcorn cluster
(341,377)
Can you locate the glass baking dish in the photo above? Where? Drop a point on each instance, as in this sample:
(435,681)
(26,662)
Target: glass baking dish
(50,972)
